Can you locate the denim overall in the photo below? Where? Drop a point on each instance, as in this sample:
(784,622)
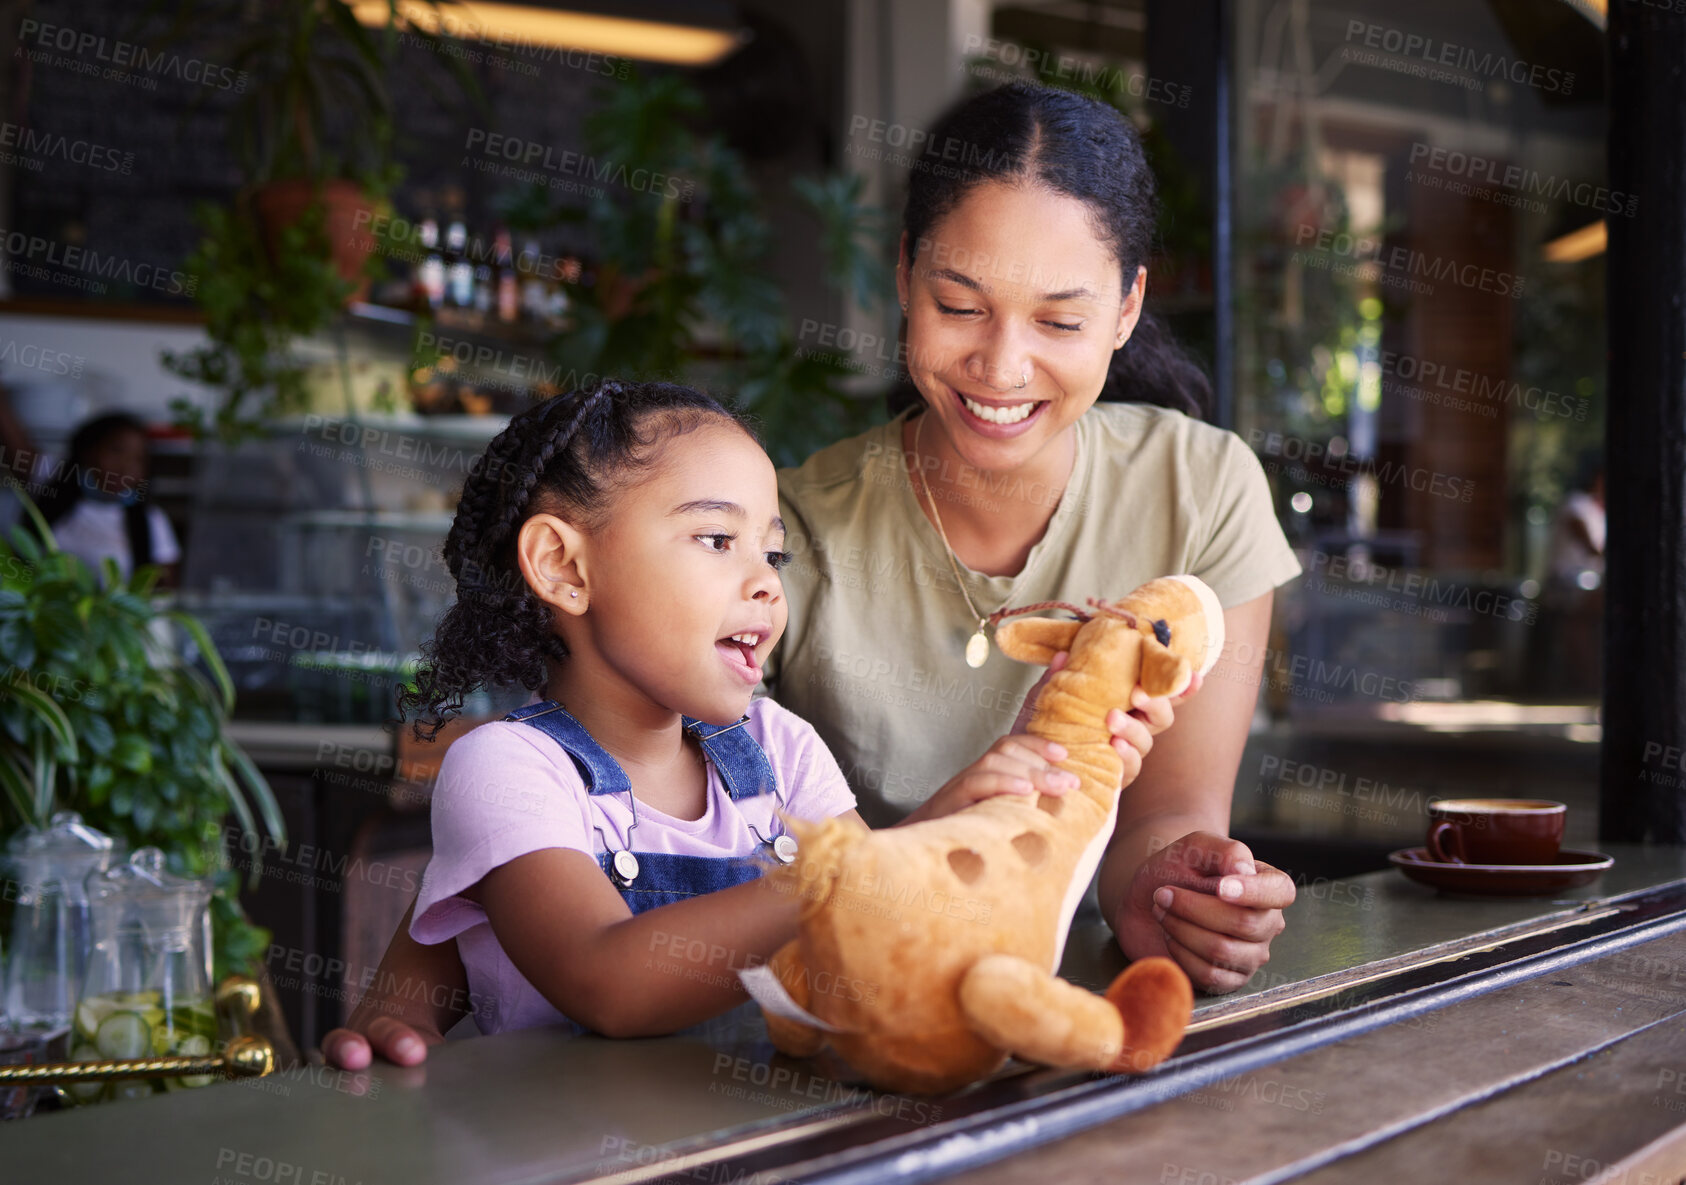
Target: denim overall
(664,877)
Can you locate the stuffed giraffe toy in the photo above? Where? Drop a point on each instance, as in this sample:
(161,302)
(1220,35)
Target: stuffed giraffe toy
(927,954)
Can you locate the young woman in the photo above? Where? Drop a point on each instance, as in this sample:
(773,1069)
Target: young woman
(1049,450)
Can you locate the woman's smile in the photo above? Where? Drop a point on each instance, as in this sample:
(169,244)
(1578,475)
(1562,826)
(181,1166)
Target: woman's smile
(998,418)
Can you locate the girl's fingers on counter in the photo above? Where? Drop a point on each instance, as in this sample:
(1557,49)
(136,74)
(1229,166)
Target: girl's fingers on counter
(346,1050)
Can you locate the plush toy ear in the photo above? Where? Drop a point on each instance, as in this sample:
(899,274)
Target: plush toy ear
(1036,639)
(1163,673)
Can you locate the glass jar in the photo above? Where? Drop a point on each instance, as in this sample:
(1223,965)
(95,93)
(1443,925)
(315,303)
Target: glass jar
(47,948)
(147,992)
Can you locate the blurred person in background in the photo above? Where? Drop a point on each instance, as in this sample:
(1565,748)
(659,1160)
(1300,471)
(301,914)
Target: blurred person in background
(97,504)
(1574,595)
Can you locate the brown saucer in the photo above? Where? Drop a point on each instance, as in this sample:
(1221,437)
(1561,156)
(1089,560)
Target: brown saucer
(1571,870)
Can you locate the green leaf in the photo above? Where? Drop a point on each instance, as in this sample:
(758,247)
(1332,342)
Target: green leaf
(243,812)
(96,732)
(25,545)
(45,770)
(17,644)
(45,710)
(34,513)
(132,752)
(208,652)
(18,789)
(259,788)
(101,778)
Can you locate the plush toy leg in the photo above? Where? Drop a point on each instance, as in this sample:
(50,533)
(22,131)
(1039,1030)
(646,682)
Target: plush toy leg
(1156,1001)
(1017,1006)
(790,1036)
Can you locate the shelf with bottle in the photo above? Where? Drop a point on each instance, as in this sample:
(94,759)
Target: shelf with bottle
(472,279)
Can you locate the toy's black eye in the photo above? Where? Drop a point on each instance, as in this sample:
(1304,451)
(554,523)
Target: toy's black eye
(1162,632)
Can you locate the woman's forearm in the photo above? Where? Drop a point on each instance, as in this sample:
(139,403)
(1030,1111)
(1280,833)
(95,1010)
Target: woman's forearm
(1135,840)
(1188,781)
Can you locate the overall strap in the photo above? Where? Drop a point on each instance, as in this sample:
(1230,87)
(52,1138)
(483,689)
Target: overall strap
(602,773)
(737,757)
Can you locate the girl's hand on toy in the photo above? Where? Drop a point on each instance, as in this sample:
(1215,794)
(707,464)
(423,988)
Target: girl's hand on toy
(1206,903)
(1134,730)
(391,1038)
(1016,764)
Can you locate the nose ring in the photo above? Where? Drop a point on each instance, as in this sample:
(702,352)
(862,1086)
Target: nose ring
(1024,380)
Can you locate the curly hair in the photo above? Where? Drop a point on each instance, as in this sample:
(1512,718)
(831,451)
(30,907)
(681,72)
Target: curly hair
(567,455)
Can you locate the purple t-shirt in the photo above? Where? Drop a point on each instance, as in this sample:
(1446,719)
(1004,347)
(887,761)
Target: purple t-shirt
(506,789)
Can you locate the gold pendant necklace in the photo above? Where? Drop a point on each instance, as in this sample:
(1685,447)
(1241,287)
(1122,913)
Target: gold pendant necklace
(977,646)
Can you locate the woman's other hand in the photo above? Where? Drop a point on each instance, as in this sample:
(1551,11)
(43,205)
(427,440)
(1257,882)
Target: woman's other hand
(1204,901)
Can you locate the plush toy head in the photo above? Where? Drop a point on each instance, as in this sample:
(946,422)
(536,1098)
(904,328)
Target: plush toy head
(1179,618)
(927,952)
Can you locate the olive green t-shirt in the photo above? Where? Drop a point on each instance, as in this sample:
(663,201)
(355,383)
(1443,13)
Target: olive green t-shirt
(874,655)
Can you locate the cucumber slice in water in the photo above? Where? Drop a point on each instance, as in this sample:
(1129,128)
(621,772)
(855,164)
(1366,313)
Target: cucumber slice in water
(85,1092)
(192,1047)
(124,1034)
(89,1014)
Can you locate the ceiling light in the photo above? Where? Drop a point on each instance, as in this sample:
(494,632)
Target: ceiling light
(1577,245)
(524,26)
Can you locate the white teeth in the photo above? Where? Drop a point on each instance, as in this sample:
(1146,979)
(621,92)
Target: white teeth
(747,639)
(999,415)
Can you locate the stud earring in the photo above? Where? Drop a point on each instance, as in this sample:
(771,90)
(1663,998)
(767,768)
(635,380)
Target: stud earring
(573,592)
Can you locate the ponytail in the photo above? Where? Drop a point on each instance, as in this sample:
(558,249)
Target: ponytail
(1153,368)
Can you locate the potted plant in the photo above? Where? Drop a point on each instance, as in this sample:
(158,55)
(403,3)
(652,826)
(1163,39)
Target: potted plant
(313,128)
(100,714)
(257,301)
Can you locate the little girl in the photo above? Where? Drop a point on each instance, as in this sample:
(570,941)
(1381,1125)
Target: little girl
(618,549)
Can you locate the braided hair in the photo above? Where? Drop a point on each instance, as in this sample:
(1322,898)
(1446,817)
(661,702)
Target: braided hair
(567,455)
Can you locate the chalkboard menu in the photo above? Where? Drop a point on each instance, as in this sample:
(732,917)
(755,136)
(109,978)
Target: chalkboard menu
(117,130)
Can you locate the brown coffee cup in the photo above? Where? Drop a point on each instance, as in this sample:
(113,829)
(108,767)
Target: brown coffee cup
(1495,830)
